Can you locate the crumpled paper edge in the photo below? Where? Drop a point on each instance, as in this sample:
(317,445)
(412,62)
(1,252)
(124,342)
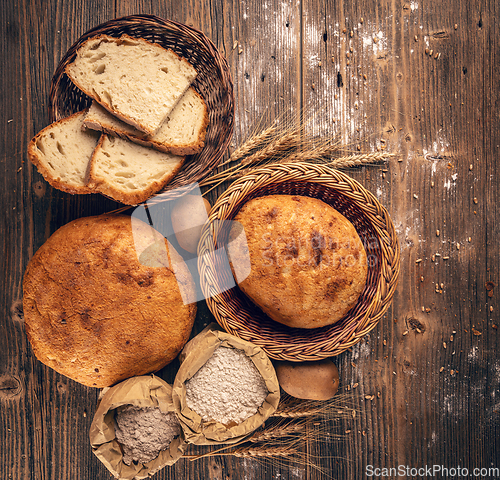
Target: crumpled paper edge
(194,355)
(142,391)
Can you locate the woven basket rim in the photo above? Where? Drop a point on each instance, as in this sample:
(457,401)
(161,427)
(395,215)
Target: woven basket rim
(325,342)
(196,166)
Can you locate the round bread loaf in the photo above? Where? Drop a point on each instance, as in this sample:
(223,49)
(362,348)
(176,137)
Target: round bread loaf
(106,299)
(307,263)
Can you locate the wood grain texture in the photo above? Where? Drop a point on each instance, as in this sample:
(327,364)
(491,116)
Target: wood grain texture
(426,381)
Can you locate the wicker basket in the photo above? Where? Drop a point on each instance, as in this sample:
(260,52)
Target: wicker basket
(213,83)
(239,316)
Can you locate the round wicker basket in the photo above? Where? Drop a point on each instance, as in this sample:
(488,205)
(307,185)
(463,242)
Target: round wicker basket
(240,317)
(213,83)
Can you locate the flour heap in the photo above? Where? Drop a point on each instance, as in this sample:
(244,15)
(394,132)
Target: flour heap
(143,432)
(227,389)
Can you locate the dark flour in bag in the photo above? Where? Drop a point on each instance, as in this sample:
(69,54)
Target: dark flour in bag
(143,432)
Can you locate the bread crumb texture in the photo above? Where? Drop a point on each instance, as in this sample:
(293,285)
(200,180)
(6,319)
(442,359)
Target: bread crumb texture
(228,388)
(137,80)
(182,133)
(61,153)
(143,432)
(130,173)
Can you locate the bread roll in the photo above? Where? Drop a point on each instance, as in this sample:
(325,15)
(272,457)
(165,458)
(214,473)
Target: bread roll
(102,302)
(308,265)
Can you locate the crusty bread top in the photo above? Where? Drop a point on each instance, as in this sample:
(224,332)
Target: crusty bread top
(136,80)
(61,152)
(308,265)
(100,305)
(130,173)
(183,132)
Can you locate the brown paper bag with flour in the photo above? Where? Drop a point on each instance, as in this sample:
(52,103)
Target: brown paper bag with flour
(143,391)
(194,355)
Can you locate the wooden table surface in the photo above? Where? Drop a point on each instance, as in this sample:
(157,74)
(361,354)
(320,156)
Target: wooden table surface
(416,77)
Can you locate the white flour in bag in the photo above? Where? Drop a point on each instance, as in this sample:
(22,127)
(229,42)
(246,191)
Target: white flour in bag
(143,432)
(228,388)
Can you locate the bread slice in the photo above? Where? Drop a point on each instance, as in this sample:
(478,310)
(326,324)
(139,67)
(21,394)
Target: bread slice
(130,173)
(183,132)
(138,81)
(61,152)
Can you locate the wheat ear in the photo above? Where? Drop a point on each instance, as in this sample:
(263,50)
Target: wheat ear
(251,450)
(275,149)
(280,431)
(263,451)
(357,160)
(336,407)
(251,144)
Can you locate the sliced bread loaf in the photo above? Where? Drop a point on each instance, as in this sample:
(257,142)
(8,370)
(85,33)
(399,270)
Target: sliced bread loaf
(183,132)
(138,81)
(61,153)
(130,173)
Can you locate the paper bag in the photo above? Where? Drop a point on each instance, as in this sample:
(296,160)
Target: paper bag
(143,391)
(194,355)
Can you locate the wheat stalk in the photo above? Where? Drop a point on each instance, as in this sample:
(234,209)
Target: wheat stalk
(297,412)
(321,152)
(284,439)
(248,450)
(277,453)
(221,175)
(251,144)
(300,156)
(336,407)
(357,160)
(275,149)
(264,137)
(119,210)
(284,143)
(273,143)
(263,451)
(279,430)
(313,152)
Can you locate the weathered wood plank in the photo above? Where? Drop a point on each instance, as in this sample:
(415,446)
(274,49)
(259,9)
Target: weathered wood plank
(431,111)
(43,416)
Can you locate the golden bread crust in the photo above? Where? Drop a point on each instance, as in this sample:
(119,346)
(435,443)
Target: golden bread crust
(95,312)
(308,264)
